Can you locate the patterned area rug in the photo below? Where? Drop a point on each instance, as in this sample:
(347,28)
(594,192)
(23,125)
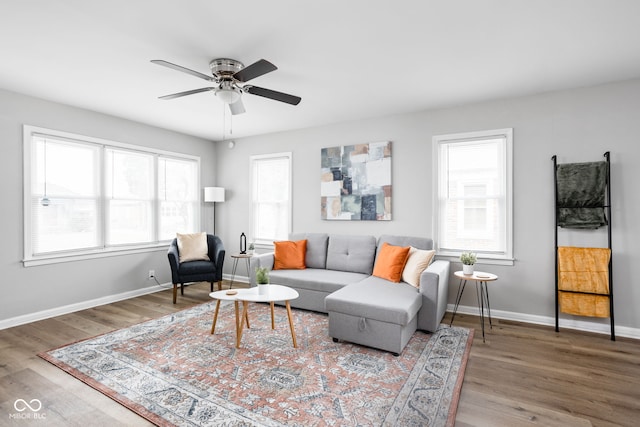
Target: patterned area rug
(172,371)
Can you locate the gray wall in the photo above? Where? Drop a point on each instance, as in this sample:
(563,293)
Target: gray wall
(576,125)
(48,287)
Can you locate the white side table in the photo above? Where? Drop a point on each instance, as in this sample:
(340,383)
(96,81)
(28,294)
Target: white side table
(481,278)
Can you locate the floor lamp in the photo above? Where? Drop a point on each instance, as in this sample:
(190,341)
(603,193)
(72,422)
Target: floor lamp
(213,195)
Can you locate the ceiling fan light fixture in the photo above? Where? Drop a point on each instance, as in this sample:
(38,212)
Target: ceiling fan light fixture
(228,95)
(228,74)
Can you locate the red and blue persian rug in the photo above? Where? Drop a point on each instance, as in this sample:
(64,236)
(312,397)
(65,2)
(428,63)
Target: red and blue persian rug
(172,371)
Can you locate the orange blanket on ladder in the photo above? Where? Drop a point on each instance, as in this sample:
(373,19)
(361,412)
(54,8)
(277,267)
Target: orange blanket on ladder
(584,270)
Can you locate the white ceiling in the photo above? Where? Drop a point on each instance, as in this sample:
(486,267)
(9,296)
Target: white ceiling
(347,59)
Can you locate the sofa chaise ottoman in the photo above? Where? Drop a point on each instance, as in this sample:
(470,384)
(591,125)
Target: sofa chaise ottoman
(362,308)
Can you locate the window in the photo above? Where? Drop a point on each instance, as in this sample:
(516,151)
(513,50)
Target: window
(87,197)
(270,197)
(130,192)
(64,196)
(473,194)
(178,196)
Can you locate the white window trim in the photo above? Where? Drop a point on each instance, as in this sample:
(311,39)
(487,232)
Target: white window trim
(507,258)
(29,260)
(263,243)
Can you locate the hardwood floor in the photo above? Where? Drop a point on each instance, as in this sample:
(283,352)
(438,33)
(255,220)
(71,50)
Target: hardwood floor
(524,375)
(530,375)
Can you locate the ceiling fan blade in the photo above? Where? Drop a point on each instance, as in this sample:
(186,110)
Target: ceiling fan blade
(272,94)
(183,69)
(185,93)
(254,70)
(237,107)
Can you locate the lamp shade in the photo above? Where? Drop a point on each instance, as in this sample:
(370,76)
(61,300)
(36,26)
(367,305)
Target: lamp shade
(213,194)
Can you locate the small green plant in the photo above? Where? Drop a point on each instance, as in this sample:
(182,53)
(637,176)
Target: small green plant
(251,246)
(468,258)
(262,275)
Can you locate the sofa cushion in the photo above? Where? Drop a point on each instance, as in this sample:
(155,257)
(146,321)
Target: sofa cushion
(315,279)
(417,262)
(391,261)
(289,254)
(351,253)
(416,242)
(378,299)
(316,248)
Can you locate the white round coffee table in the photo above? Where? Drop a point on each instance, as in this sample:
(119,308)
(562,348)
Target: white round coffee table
(274,293)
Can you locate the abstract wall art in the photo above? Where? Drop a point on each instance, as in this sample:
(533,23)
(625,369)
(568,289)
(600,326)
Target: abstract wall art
(355,182)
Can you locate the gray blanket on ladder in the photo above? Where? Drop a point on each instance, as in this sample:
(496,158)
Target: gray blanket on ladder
(581,194)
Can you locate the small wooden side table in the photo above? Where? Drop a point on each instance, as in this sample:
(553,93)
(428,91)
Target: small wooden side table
(481,278)
(237,257)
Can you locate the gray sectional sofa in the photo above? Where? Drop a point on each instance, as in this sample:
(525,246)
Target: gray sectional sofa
(362,308)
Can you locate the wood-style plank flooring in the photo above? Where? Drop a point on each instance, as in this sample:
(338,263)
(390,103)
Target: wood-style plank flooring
(524,375)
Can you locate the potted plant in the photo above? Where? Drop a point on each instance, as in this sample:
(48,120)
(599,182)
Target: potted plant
(251,249)
(262,279)
(468,259)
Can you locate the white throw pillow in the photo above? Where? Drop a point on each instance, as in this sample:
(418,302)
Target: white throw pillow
(193,247)
(419,259)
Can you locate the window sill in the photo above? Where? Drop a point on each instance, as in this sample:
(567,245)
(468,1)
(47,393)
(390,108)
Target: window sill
(104,253)
(481,261)
(264,247)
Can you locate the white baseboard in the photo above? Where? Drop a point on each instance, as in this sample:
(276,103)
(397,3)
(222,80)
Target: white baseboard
(581,325)
(66,309)
(239,279)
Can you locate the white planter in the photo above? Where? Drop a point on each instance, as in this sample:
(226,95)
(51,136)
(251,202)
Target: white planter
(263,289)
(467,270)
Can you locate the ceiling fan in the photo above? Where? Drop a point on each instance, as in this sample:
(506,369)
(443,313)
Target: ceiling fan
(227,74)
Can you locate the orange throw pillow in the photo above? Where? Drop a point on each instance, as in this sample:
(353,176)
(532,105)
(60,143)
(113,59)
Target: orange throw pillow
(290,255)
(391,261)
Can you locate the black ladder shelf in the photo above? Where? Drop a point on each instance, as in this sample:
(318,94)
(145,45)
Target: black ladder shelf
(607,207)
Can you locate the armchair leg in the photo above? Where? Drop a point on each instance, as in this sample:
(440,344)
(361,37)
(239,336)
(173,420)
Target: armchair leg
(175,292)
(211,286)
(181,288)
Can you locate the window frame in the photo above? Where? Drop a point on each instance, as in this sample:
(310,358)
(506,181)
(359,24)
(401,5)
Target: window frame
(263,242)
(109,196)
(486,257)
(103,250)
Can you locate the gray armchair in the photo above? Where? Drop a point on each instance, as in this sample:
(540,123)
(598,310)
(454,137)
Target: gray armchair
(197,271)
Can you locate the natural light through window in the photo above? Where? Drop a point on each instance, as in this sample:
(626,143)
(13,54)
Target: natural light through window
(473,194)
(85,196)
(177,195)
(271,197)
(130,193)
(65,198)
